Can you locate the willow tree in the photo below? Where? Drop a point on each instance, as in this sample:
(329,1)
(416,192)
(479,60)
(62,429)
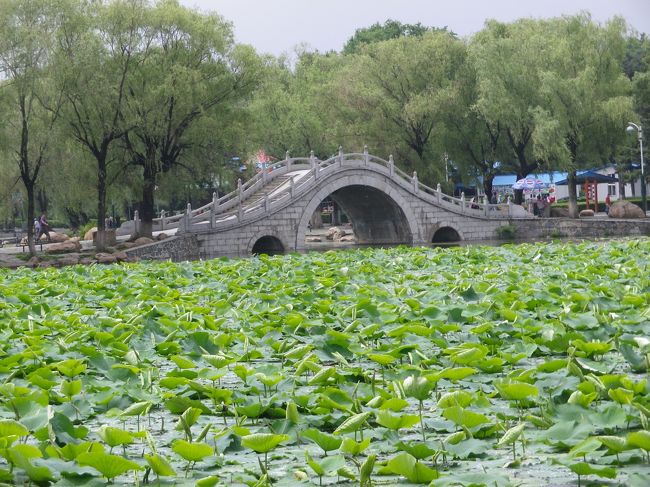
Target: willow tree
(31,105)
(398,91)
(296,109)
(475,142)
(190,69)
(585,96)
(506,59)
(96,57)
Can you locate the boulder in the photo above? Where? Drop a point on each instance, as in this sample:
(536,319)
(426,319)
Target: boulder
(143,241)
(559,212)
(125,245)
(54,237)
(313,239)
(121,256)
(625,209)
(348,238)
(71,245)
(335,234)
(162,236)
(90,233)
(33,262)
(87,261)
(104,258)
(586,213)
(69,259)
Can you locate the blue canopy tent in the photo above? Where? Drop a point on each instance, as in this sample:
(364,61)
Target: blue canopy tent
(590,181)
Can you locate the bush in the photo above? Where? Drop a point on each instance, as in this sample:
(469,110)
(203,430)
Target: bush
(506,232)
(83,230)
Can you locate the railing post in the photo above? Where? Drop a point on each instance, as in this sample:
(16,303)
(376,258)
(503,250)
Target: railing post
(162,220)
(438,191)
(288,159)
(391,165)
(291,186)
(415,181)
(486,202)
(462,201)
(266,202)
(314,166)
(188,217)
(366,159)
(213,211)
(265,175)
(136,222)
(509,206)
(240,210)
(340,155)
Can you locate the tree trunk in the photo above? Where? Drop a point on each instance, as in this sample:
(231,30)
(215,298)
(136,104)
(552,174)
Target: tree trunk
(147,206)
(573,194)
(100,239)
(42,199)
(487,184)
(29,186)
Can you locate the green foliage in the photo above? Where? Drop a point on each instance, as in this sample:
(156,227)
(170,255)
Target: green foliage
(390,29)
(506,232)
(492,350)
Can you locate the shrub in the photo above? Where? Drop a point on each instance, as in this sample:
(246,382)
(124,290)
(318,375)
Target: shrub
(506,232)
(83,230)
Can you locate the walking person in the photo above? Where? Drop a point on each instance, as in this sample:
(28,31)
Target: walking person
(44,227)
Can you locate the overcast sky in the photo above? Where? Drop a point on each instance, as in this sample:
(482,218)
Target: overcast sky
(277,26)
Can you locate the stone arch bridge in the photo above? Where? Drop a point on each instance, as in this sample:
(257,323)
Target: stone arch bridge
(271,212)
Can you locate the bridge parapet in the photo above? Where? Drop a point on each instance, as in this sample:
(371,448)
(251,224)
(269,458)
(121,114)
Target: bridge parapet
(304,174)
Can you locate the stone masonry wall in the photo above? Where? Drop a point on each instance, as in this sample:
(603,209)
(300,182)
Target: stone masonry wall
(537,228)
(177,248)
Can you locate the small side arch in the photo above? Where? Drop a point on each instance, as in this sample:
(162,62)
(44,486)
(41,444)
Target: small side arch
(268,244)
(446,234)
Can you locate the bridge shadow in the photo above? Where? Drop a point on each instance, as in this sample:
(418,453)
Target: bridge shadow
(268,245)
(445,235)
(376,218)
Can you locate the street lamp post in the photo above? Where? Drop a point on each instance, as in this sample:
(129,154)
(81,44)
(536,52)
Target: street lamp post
(632,127)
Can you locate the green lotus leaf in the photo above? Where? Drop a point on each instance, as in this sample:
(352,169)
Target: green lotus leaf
(110,466)
(263,442)
(353,423)
(392,422)
(325,441)
(192,452)
(639,439)
(464,417)
(159,465)
(354,448)
(407,466)
(115,436)
(583,468)
(9,427)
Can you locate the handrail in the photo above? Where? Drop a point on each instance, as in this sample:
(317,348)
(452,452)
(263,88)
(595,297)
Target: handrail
(230,209)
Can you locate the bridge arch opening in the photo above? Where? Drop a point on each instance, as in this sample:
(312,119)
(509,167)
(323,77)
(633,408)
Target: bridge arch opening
(268,245)
(445,235)
(374,216)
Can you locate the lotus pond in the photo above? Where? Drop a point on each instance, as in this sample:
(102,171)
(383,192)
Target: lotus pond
(514,365)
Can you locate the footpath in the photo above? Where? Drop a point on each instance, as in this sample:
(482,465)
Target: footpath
(63,251)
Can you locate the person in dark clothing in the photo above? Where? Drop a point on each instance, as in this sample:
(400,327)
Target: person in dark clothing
(44,227)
